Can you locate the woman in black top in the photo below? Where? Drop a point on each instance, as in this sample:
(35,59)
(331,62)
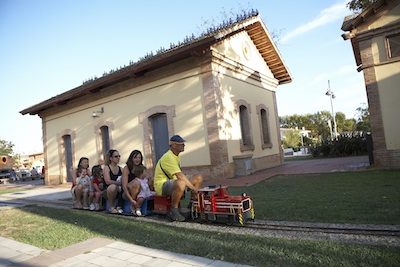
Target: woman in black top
(112,177)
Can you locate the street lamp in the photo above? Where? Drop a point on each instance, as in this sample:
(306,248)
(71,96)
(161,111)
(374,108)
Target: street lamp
(332,96)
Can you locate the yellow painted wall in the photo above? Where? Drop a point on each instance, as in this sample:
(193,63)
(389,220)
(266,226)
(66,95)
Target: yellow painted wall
(184,91)
(236,86)
(388,77)
(391,17)
(389,96)
(123,110)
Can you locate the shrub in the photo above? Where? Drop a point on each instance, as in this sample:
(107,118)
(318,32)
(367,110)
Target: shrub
(347,144)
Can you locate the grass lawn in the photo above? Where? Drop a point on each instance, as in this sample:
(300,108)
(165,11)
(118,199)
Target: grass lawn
(365,197)
(351,197)
(297,158)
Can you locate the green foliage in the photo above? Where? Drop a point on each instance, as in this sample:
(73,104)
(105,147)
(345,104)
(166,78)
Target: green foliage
(363,119)
(317,123)
(6,148)
(347,144)
(292,138)
(359,5)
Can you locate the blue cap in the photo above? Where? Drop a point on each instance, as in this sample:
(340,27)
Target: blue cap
(177,139)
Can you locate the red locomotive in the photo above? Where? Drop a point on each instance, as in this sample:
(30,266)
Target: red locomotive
(215,204)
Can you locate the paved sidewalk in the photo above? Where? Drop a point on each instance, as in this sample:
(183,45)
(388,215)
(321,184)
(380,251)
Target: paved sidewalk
(98,252)
(106,252)
(94,252)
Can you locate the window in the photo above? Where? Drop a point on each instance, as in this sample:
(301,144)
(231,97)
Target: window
(67,155)
(246,142)
(244,125)
(263,114)
(393,43)
(66,141)
(105,140)
(104,143)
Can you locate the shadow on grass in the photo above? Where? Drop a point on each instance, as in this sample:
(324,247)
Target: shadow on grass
(61,228)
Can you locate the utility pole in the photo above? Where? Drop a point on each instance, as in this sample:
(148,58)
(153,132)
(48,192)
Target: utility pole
(332,96)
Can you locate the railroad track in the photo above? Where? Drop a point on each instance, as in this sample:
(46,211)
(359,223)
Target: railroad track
(344,229)
(382,235)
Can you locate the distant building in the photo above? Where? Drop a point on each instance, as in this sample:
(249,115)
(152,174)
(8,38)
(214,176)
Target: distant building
(217,91)
(375,38)
(37,161)
(29,161)
(302,132)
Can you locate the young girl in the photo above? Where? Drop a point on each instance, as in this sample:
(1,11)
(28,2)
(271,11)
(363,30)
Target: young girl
(130,185)
(146,189)
(76,189)
(97,187)
(83,180)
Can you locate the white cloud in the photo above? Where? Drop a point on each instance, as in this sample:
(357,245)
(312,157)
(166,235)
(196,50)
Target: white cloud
(328,15)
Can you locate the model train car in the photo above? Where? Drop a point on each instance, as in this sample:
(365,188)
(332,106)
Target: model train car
(215,204)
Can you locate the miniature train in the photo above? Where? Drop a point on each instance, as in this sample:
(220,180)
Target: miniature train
(213,204)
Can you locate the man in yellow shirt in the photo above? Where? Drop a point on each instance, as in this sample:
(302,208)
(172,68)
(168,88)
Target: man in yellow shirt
(169,180)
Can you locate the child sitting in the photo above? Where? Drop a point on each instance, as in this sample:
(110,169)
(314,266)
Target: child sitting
(96,188)
(83,179)
(145,190)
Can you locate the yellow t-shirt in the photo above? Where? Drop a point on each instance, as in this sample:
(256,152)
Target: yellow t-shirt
(170,164)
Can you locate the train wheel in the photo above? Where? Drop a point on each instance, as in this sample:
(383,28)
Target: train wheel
(231,220)
(195,216)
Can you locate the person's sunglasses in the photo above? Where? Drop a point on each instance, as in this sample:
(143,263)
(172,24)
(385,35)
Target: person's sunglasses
(118,156)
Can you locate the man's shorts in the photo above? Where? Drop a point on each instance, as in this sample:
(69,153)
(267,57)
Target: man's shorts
(168,187)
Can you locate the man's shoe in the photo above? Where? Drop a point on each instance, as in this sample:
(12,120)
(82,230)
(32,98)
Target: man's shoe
(175,215)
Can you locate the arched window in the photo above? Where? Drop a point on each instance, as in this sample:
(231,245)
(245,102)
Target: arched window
(66,151)
(244,124)
(67,155)
(246,142)
(105,140)
(104,143)
(265,129)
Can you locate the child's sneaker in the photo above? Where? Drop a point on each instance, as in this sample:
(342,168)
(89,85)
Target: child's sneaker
(120,210)
(96,206)
(92,207)
(85,207)
(113,210)
(138,212)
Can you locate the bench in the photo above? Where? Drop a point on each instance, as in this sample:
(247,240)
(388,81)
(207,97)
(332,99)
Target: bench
(146,209)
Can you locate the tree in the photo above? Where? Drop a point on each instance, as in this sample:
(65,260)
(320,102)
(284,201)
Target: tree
(318,123)
(6,148)
(291,139)
(363,119)
(343,124)
(359,5)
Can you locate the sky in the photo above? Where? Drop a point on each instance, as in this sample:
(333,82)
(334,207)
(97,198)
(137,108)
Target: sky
(48,47)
